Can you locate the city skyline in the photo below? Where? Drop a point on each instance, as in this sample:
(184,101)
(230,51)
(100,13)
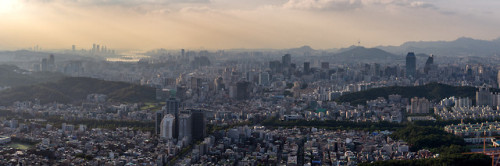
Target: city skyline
(224,24)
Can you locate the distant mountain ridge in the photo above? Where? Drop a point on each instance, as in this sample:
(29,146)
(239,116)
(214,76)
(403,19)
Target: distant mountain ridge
(356,54)
(463,46)
(26,55)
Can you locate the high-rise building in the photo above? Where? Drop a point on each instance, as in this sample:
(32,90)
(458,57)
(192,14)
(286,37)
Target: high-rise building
(195,83)
(242,90)
(233,91)
(45,64)
(199,130)
(498,78)
(219,83)
(411,65)
(275,66)
(185,127)
(306,68)
(264,79)
(52,61)
(484,97)
(325,65)
(463,102)
(286,60)
(172,107)
(167,127)
(73,48)
(429,64)
(419,105)
(158,119)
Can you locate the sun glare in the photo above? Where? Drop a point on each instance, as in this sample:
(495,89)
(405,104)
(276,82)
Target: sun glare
(9,6)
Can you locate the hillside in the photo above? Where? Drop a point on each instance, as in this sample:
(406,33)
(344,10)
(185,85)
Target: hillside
(301,50)
(459,47)
(14,76)
(366,55)
(74,89)
(432,91)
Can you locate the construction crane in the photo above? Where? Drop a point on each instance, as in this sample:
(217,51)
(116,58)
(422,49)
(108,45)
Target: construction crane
(494,154)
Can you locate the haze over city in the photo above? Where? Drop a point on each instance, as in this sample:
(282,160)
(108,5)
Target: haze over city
(250,82)
(224,24)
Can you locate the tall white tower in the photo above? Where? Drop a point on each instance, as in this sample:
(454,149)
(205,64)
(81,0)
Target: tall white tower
(167,126)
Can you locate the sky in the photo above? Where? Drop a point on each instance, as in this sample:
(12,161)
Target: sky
(225,24)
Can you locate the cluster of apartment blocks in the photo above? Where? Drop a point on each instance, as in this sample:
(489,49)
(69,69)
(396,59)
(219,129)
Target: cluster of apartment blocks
(458,113)
(474,130)
(258,145)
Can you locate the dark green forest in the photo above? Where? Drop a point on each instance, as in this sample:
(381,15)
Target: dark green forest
(74,89)
(432,91)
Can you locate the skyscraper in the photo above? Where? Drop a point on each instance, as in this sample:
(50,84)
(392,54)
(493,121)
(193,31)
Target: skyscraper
(219,84)
(411,65)
(419,105)
(286,60)
(275,66)
(264,78)
(45,64)
(172,107)
(242,90)
(167,126)
(483,96)
(51,63)
(498,78)
(52,60)
(185,127)
(158,119)
(199,129)
(428,64)
(306,68)
(325,65)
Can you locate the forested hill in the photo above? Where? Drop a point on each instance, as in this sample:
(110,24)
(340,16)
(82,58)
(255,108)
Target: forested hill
(74,89)
(432,91)
(13,76)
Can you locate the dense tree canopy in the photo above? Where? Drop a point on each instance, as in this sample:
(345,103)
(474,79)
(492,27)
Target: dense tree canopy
(432,91)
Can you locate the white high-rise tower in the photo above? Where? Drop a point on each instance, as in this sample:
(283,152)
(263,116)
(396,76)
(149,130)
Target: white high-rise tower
(167,127)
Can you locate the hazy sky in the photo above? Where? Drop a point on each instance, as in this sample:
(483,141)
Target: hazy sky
(222,24)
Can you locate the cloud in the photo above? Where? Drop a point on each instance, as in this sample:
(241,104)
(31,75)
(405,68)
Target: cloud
(155,7)
(343,5)
(323,4)
(201,9)
(119,2)
(420,4)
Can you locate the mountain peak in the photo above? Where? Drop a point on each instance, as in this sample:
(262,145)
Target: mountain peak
(362,54)
(306,47)
(302,49)
(463,46)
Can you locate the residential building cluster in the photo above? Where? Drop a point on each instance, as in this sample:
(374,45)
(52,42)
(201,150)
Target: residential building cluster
(474,130)
(299,146)
(459,113)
